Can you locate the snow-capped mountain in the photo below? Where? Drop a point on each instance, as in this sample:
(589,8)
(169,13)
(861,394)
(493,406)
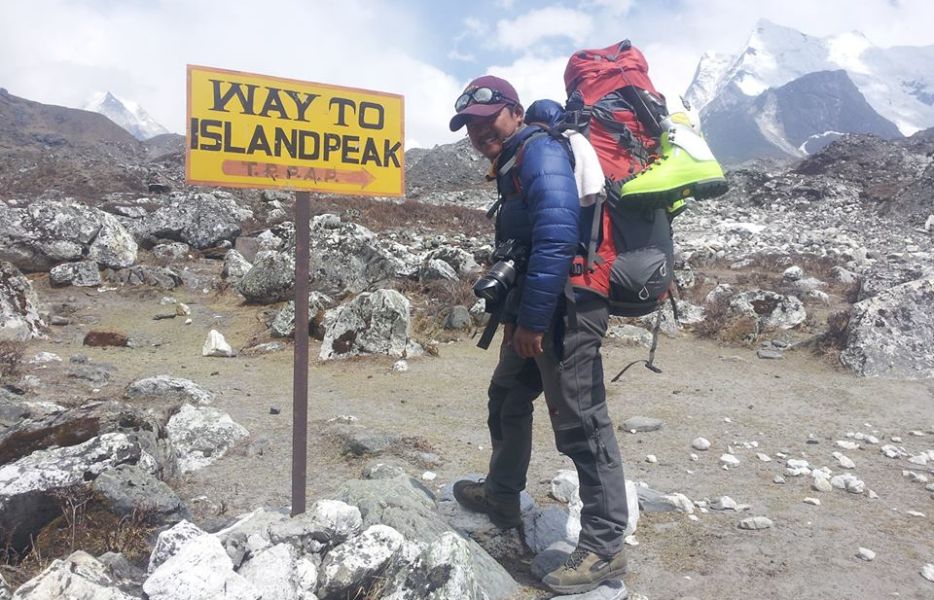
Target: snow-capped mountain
(748,107)
(125,113)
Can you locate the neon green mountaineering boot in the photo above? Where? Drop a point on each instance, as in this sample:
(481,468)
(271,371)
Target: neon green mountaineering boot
(686,168)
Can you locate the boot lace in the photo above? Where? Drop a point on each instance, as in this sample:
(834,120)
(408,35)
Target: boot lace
(576,558)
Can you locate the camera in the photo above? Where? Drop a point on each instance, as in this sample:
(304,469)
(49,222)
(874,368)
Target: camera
(510,260)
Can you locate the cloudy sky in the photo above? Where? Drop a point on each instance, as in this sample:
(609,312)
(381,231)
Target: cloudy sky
(62,51)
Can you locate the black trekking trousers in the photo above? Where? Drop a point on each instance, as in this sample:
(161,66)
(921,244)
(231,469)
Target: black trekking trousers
(571,377)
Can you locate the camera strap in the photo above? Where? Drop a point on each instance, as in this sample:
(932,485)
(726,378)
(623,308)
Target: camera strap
(490,330)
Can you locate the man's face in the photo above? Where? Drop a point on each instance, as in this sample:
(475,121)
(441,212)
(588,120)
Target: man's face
(487,134)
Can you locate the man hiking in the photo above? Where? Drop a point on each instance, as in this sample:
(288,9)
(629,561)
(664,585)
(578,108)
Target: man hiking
(551,341)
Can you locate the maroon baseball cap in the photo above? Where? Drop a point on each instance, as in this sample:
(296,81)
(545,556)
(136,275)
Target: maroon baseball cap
(504,95)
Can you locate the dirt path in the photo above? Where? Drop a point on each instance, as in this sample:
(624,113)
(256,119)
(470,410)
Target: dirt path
(724,394)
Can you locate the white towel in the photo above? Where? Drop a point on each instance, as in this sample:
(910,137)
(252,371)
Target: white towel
(587,170)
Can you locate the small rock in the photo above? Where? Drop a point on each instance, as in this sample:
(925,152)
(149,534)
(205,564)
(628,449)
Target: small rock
(866,554)
(763,457)
(778,479)
(914,513)
(728,460)
(400,366)
(429,475)
(274,410)
(756,523)
(844,461)
(814,501)
(821,484)
(216,345)
(100,339)
(700,444)
(723,503)
(651,458)
(770,354)
(847,445)
(927,571)
(642,424)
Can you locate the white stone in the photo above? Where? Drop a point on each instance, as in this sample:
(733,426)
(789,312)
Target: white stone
(795,463)
(914,513)
(723,503)
(847,445)
(216,345)
(273,572)
(821,484)
(866,554)
(927,571)
(165,387)
(701,444)
(565,486)
(728,460)
(171,540)
(896,439)
(814,501)
(919,459)
(78,577)
(43,358)
(797,472)
(429,475)
(844,461)
(778,479)
(200,570)
(651,458)
(694,456)
(763,457)
(893,451)
(400,366)
(756,523)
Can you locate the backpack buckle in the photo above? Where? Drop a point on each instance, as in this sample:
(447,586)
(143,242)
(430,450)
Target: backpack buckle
(577,269)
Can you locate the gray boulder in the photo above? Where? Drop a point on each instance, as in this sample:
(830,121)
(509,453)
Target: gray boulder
(771,310)
(235,266)
(283,325)
(406,506)
(443,571)
(375,323)
(202,435)
(348,570)
(147,275)
(48,232)
(435,270)
(201,220)
(250,535)
(19,306)
(270,280)
(83,273)
(890,334)
(458,318)
(165,388)
(347,258)
(328,523)
(171,251)
(28,485)
(130,489)
(460,260)
(78,577)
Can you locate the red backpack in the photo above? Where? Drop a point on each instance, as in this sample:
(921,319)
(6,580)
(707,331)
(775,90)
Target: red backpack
(612,101)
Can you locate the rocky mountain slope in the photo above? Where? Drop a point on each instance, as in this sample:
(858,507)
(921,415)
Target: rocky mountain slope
(896,83)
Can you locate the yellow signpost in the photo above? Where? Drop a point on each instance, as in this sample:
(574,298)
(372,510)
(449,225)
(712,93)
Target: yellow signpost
(255,131)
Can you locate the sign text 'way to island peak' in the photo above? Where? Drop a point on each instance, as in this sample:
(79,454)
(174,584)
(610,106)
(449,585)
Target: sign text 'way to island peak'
(254,131)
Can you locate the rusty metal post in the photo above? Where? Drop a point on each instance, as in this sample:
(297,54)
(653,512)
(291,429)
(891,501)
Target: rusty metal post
(300,365)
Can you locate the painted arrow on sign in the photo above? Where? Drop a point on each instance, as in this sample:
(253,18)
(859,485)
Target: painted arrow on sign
(277,172)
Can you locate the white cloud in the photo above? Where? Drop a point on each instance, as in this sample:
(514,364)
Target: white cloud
(535,78)
(530,28)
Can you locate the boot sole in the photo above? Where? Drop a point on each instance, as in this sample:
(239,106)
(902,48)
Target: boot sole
(586,587)
(700,190)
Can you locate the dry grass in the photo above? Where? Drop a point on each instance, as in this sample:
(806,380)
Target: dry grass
(725,327)
(431,302)
(85,523)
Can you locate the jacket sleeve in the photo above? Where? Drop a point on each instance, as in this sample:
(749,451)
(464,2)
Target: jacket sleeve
(554,210)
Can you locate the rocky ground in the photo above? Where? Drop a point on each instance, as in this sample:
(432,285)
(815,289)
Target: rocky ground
(147,382)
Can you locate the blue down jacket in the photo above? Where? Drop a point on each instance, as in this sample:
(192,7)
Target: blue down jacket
(542,213)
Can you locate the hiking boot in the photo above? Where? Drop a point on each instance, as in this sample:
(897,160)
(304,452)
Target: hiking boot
(472,496)
(685,168)
(584,570)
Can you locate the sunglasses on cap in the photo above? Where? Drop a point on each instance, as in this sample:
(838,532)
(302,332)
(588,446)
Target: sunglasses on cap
(481,95)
